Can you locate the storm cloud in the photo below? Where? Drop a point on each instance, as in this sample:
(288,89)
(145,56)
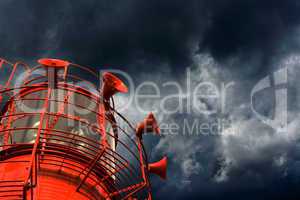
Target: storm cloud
(241,41)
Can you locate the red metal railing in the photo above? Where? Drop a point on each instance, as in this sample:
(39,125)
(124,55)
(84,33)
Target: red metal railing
(120,172)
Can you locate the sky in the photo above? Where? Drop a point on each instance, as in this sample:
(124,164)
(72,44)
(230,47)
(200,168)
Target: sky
(234,43)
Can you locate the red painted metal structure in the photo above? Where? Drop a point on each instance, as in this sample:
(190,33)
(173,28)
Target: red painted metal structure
(60,139)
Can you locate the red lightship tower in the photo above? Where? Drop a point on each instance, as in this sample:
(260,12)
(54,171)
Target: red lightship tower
(60,139)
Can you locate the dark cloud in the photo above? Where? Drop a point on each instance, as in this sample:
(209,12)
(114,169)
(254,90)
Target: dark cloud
(102,32)
(245,37)
(250,26)
(126,32)
(122,32)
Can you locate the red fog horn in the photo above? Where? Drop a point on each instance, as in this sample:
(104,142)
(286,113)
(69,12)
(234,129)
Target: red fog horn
(112,85)
(159,168)
(148,125)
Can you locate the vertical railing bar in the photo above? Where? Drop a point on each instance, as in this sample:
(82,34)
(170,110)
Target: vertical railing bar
(33,161)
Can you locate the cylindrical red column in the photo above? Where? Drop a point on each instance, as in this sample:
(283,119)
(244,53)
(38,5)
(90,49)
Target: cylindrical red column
(60,140)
